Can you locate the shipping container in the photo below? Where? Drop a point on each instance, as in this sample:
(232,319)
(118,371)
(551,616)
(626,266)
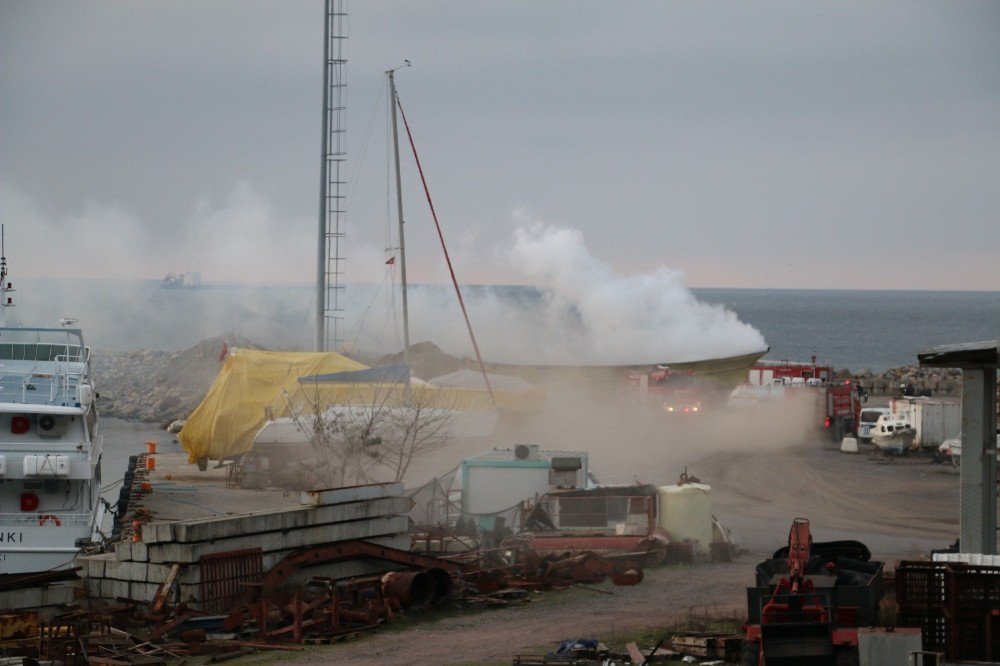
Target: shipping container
(934,420)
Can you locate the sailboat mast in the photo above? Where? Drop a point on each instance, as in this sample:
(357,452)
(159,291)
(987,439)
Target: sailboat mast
(402,244)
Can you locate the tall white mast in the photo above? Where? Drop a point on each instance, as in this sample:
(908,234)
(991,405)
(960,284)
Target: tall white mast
(399,210)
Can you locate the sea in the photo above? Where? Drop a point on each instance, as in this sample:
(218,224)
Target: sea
(853,330)
(857,330)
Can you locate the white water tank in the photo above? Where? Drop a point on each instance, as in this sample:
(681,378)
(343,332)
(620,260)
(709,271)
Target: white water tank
(686,514)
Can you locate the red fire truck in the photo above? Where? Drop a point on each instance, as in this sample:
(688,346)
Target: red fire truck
(765,373)
(673,392)
(838,402)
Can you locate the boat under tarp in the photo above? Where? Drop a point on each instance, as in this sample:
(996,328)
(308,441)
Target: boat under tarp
(255,388)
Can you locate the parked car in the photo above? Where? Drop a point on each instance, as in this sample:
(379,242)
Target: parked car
(867,420)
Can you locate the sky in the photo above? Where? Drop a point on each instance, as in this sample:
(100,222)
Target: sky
(821,145)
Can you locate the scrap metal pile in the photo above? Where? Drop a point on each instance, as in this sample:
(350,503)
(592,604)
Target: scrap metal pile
(285,607)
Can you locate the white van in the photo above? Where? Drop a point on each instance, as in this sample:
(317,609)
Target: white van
(867,421)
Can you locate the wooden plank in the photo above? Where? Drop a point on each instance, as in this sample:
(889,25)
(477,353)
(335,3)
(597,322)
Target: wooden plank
(163,592)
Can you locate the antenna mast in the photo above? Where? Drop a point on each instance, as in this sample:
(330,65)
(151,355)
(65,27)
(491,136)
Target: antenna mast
(332,237)
(5,287)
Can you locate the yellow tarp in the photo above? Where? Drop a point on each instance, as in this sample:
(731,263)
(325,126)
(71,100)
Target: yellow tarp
(232,412)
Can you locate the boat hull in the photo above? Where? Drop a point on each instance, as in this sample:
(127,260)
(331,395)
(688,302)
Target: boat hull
(724,373)
(896,442)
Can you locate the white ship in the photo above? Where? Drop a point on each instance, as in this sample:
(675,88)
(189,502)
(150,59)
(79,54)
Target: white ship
(50,445)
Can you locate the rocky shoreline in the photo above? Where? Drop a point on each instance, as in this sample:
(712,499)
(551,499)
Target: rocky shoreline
(161,387)
(908,380)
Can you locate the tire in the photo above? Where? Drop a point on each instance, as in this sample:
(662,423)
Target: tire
(750,653)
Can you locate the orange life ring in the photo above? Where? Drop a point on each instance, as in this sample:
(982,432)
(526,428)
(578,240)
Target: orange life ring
(49,518)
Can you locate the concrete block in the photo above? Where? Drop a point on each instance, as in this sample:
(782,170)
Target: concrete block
(107,588)
(157,573)
(209,529)
(59,594)
(143,591)
(878,647)
(21,599)
(123,550)
(164,532)
(112,567)
(119,589)
(363,529)
(351,494)
(93,565)
(139,552)
(137,572)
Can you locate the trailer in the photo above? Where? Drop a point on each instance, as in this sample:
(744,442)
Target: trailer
(934,420)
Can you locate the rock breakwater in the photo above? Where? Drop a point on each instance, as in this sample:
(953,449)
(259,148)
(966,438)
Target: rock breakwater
(159,386)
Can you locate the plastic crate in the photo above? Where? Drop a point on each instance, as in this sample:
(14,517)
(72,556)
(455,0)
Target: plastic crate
(921,588)
(934,629)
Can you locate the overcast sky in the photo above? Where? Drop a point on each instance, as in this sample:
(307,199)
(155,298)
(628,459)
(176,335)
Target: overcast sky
(765,144)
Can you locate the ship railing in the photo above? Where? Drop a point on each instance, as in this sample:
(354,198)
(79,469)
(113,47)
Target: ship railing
(39,518)
(39,388)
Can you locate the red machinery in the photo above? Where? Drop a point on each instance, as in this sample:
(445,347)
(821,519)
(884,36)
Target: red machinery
(810,601)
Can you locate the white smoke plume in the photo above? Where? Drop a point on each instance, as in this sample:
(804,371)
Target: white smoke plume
(584,312)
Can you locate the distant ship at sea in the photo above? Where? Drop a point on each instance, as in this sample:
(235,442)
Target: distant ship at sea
(189,280)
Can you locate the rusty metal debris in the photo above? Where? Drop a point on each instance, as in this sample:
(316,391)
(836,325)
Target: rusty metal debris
(252,609)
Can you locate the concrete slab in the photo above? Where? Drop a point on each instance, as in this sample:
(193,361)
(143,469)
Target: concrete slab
(272,541)
(208,529)
(352,493)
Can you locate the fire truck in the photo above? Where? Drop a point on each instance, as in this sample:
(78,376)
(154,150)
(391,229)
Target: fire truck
(837,402)
(673,392)
(789,373)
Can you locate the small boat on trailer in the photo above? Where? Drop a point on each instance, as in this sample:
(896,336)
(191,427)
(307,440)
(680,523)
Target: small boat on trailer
(893,433)
(50,445)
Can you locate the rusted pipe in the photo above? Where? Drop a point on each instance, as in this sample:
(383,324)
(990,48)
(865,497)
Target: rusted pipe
(411,588)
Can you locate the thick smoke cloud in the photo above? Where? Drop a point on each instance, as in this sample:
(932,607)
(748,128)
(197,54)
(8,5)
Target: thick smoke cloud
(582,312)
(103,265)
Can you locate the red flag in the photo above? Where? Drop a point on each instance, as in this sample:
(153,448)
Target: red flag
(390,261)
(224,352)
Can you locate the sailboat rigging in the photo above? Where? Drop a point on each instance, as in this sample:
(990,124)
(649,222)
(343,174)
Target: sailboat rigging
(396,105)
